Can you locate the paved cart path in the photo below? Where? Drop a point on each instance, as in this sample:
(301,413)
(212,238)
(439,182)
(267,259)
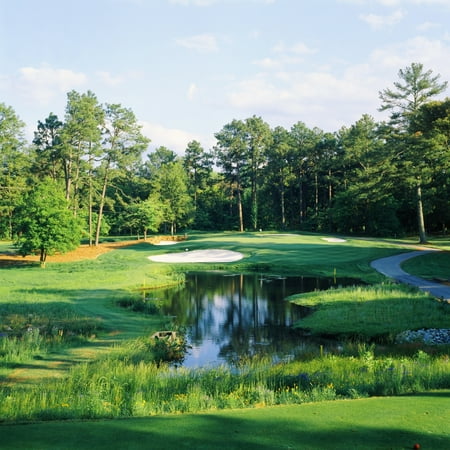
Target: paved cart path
(390,267)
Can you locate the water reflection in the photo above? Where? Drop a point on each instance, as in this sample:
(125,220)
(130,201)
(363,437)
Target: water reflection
(228,316)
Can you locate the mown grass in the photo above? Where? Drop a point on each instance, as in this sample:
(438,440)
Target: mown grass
(375,423)
(380,311)
(295,254)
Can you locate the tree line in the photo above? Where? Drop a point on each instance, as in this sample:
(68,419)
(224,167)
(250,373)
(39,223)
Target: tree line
(374,178)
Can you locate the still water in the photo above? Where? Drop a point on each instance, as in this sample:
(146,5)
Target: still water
(230,316)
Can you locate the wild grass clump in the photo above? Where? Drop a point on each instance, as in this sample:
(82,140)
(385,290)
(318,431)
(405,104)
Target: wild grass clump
(29,329)
(17,319)
(140,304)
(380,311)
(117,387)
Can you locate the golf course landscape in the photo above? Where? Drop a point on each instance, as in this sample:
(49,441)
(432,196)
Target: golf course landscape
(80,367)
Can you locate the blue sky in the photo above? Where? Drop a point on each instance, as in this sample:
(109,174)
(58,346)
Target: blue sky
(188,67)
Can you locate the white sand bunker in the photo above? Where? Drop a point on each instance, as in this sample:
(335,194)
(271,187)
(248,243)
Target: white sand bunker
(199,256)
(166,243)
(334,239)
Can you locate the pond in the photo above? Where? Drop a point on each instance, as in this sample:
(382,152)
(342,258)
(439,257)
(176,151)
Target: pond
(229,316)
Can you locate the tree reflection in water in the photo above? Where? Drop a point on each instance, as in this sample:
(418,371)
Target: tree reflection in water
(230,316)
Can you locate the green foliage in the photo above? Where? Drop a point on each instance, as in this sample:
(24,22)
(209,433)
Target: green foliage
(144,216)
(171,192)
(14,166)
(45,225)
(139,303)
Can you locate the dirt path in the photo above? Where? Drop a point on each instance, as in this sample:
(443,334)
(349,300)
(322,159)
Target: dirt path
(82,252)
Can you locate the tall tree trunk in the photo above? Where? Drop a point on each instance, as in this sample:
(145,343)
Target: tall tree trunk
(68,176)
(283,207)
(316,194)
(10,224)
(330,187)
(91,227)
(300,202)
(241,215)
(90,198)
(420,218)
(254,202)
(102,204)
(76,181)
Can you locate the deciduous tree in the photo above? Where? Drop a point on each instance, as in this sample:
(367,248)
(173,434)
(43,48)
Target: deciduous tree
(45,223)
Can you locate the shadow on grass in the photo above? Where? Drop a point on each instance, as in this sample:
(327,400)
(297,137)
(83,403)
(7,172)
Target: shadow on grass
(294,428)
(438,394)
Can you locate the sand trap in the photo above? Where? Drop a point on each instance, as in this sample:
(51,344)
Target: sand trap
(199,256)
(166,243)
(334,240)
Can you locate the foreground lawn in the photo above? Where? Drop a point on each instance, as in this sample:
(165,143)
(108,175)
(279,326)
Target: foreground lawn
(376,423)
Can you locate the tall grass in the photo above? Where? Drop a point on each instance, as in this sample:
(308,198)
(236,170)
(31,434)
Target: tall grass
(114,387)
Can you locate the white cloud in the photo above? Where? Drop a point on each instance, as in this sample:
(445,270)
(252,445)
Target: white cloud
(432,53)
(193,2)
(428,26)
(299,48)
(114,80)
(212,2)
(268,63)
(377,22)
(286,55)
(192,90)
(294,96)
(432,2)
(201,42)
(44,83)
(330,99)
(109,79)
(391,3)
(394,3)
(172,138)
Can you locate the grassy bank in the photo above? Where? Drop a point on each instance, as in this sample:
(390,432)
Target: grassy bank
(380,311)
(431,266)
(375,423)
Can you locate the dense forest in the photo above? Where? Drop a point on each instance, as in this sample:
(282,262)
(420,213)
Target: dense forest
(373,178)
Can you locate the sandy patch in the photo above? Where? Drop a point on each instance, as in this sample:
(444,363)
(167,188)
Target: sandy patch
(199,256)
(334,240)
(166,243)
